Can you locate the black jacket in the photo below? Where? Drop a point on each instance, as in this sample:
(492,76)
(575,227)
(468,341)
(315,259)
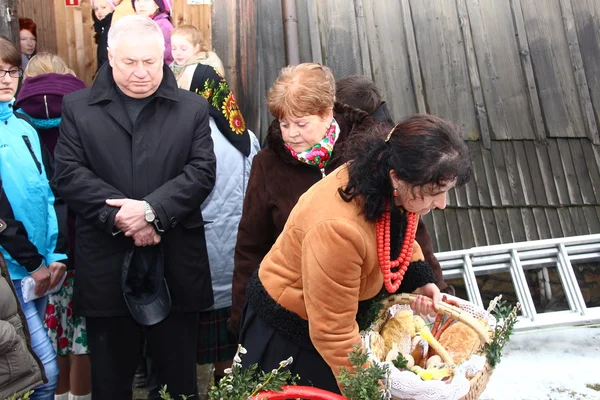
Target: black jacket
(101,28)
(165,158)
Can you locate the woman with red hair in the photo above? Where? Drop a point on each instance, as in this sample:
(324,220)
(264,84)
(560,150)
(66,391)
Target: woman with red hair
(28,40)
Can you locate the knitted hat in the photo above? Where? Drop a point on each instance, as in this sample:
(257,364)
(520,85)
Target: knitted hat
(110,3)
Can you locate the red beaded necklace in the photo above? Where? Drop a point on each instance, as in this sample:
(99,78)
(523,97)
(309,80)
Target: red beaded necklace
(392,280)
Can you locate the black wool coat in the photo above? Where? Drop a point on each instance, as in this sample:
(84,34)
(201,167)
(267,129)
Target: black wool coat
(165,158)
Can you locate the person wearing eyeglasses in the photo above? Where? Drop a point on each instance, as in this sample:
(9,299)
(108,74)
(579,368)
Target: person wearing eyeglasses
(34,242)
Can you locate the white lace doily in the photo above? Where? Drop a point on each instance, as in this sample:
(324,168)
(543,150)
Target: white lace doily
(407,385)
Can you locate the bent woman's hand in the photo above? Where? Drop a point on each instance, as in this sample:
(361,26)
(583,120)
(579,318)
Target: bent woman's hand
(423,304)
(42,280)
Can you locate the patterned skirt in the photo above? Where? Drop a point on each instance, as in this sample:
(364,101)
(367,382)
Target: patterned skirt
(215,343)
(67,332)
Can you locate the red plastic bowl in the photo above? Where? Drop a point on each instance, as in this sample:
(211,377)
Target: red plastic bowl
(302,392)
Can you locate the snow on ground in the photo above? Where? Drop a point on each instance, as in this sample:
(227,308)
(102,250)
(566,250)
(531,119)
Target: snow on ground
(548,365)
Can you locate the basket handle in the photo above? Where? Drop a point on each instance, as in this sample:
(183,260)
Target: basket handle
(305,392)
(445,309)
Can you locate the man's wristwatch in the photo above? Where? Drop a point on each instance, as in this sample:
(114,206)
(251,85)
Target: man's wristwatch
(150,218)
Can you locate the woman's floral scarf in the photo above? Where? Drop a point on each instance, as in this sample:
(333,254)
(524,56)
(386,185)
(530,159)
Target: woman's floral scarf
(319,154)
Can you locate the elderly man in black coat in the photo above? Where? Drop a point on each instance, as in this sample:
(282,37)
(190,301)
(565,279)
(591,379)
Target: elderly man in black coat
(135,161)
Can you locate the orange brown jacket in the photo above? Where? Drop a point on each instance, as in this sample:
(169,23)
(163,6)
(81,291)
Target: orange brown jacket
(324,262)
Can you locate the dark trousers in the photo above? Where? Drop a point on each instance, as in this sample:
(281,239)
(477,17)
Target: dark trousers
(115,345)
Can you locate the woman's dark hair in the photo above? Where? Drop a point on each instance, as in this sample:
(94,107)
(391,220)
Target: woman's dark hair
(422,149)
(359,92)
(9,53)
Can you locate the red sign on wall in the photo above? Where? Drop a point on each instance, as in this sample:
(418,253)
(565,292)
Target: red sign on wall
(72,3)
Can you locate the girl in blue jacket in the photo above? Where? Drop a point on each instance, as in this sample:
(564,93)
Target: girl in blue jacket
(32,243)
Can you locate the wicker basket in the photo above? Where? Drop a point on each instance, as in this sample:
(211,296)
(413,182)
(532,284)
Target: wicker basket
(480,380)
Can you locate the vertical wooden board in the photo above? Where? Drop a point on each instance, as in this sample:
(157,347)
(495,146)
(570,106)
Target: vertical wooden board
(461,196)
(339,37)
(502,78)
(440,230)
(466,228)
(490,226)
(443,64)
(501,172)
(451,198)
(545,163)
(566,222)
(554,223)
(529,224)
(478,228)
(554,72)
(593,167)
(234,31)
(270,55)
(587,21)
(503,224)
(390,64)
(452,225)
(542,223)
(558,173)
(568,166)
(580,224)
(512,171)
(428,221)
(522,168)
(479,177)
(591,219)
(304,31)
(517,226)
(492,179)
(582,172)
(533,168)
(472,193)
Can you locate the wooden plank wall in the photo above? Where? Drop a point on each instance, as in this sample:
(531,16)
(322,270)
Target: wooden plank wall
(503,70)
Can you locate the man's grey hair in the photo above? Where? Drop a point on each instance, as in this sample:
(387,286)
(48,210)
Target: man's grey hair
(134,24)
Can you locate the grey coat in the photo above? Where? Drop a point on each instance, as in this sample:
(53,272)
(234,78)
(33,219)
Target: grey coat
(222,211)
(20,368)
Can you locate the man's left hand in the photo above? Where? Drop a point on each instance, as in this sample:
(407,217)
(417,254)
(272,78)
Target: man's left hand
(130,218)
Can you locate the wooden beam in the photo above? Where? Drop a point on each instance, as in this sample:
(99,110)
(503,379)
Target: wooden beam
(413,56)
(585,100)
(365,54)
(534,101)
(480,110)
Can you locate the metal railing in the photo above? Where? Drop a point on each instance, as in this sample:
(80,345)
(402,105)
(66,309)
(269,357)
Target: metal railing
(517,259)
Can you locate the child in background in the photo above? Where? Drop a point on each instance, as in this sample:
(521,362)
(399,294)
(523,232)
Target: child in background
(102,13)
(235,147)
(123,8)
(159,11)
(46,81)
(187,43)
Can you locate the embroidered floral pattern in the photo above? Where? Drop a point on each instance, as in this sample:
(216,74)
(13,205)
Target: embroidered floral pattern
(67,333)
(320,154)
(219,96)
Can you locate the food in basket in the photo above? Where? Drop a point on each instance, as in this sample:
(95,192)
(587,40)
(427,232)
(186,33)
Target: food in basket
(460,341)
(399,330)
(420,347)
(378,346)
(425,333)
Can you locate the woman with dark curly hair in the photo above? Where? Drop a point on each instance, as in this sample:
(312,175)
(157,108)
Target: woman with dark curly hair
(350,237)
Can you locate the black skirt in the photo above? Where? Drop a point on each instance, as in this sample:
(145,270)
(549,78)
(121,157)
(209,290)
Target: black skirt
(267,347)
